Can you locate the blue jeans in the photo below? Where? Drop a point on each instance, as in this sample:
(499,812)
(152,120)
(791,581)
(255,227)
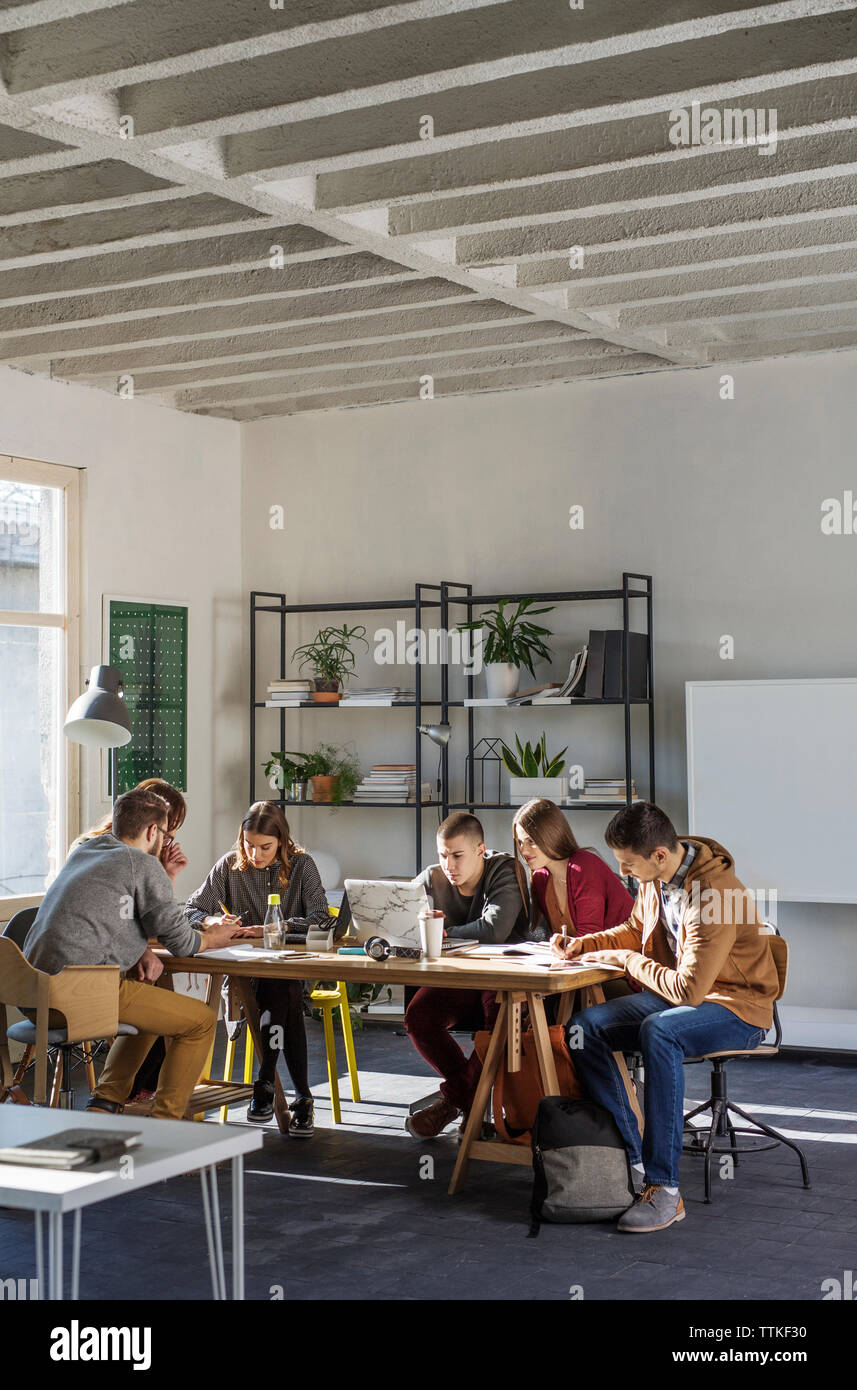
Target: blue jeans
(665,1036)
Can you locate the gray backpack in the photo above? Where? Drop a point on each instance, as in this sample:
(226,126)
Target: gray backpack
(580,1165)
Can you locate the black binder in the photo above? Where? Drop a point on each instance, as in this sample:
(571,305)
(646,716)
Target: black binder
(595,666)
(638,662)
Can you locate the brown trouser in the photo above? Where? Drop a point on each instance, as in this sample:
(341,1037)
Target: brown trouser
(159,1013)
(156,1014)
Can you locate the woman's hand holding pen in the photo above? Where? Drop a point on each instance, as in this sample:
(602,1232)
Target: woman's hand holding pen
(229,920)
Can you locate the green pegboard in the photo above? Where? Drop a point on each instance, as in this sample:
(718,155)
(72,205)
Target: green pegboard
(148,645)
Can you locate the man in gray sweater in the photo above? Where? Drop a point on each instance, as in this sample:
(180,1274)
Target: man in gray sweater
(482,900)
(111,895)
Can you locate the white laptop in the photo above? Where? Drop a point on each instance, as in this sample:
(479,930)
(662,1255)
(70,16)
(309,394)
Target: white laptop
(384,907)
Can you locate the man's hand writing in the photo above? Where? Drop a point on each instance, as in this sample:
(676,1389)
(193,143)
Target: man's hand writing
(565,947)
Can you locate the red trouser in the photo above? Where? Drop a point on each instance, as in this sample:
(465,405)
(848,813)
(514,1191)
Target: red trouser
(429,1017)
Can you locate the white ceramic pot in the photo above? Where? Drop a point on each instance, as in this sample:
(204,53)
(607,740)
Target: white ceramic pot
(523,789)
(501,679)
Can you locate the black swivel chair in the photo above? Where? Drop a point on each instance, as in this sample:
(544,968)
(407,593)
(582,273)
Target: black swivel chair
(704,1139)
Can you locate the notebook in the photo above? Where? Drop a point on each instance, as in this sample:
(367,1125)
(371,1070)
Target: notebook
(72,1148)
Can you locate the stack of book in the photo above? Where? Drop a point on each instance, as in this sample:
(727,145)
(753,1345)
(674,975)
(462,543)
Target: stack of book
(390,784)
(610,789)
(284,693)
(378,695)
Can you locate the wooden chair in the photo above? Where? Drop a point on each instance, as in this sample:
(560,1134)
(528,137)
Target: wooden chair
(87,996)
(17,929)
(720,1106)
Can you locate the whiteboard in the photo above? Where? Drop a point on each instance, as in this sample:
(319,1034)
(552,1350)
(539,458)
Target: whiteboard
(772,775)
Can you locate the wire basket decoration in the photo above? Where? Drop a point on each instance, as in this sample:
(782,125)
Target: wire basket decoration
(483,771)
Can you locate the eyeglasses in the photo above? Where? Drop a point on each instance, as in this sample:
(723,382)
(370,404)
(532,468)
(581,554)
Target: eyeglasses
(167,840)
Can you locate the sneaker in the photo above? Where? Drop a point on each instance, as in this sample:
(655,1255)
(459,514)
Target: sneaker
(429,1123)
(261,1107)
(301,1124)
(653,1210)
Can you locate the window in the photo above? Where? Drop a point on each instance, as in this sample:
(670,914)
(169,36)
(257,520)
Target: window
(38,675)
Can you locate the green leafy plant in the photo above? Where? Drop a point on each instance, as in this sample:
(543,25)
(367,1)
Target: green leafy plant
(533,761)
(513,638)
(329,654)
(292,767)
(326,760)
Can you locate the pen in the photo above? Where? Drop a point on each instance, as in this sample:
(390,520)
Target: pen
(225,910)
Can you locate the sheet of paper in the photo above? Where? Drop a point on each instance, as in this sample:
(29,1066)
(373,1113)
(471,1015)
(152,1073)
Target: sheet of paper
(253,953)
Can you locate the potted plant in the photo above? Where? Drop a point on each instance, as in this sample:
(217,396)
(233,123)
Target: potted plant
(330,658)
(513,641)
(334,773)
(287,772)
(533,773)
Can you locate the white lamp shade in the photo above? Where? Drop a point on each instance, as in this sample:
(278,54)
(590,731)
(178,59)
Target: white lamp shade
(95,733)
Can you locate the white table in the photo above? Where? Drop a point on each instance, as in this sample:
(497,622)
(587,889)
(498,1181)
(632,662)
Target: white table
(167,1148)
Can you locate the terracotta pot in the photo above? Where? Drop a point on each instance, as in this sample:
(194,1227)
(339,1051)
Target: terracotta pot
(327,692)
(323,788)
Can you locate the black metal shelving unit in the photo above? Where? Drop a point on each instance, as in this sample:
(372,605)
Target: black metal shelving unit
(426,596)
(443,597)
(627,594)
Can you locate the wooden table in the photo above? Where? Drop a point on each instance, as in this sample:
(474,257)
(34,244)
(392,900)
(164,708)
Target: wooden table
(516,981)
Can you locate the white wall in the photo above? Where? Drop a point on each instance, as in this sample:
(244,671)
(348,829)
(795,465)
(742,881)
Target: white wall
(160,519)
(719,500)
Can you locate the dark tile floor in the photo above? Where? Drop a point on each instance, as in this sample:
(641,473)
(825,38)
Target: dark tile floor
(358,1212)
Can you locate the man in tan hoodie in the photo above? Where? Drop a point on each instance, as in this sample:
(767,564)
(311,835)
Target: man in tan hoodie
(698,953)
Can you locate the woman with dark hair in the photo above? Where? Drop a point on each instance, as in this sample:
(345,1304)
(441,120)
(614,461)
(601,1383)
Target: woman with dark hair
(572,889)
(266,860)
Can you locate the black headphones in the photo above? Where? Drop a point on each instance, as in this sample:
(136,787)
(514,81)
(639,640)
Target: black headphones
(379,949)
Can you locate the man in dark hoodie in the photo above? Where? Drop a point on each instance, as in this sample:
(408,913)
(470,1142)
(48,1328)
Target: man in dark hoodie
(481,898)
(698,949)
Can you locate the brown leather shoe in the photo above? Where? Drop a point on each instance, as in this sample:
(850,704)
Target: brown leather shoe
(429,1123)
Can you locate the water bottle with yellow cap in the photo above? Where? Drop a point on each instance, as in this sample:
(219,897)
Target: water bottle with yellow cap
(274,926)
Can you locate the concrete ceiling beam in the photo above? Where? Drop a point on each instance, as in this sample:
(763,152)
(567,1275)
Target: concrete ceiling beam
(247,316)
(251,345)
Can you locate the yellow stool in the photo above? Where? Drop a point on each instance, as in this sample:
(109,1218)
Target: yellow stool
(229,1062)
(327,1000)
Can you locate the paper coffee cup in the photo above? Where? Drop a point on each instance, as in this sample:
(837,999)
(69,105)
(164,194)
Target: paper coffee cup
(431,934)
